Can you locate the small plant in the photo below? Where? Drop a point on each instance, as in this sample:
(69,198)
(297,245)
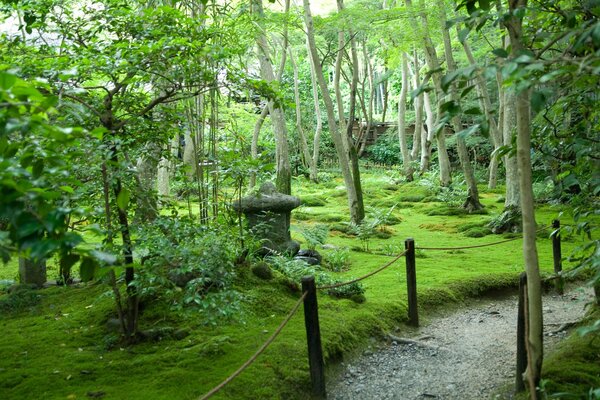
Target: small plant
(314,235)
(294,270)
(364,231)
(391,250)
(383,217)
(338,260)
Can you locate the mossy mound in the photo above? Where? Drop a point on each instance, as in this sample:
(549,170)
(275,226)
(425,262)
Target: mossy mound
(262,270)
(313,201)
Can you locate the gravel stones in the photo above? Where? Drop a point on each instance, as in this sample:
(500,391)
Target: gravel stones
(465,354)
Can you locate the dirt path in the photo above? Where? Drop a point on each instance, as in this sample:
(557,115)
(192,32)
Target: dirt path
(466,354)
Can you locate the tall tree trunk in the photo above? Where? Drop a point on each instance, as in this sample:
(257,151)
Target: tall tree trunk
(308,160)
(319,127)
(486,105)
(434,65)
(534,293)
(406,156)
(386,96)
(356,209)
(146,166)
(472,202)
(254,144)
(372,95)
(417,145)
(282,159)
(510,218)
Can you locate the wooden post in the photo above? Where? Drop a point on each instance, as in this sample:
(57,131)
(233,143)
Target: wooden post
(313,338)
(557,255)
(521,335)
(411,282)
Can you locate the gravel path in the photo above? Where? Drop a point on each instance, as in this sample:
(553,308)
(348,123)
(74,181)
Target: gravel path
(465,354)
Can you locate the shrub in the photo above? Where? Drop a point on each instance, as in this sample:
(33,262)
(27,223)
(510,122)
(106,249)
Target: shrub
(177,252)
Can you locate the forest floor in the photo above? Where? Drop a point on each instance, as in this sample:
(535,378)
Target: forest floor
(57,343)
(467,353)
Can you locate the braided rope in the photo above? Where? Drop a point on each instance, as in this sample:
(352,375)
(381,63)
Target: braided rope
(336,285)
(259,351)
(476,245)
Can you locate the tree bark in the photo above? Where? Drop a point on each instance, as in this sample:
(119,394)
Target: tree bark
(355,205)
(308,160)
(282,160)
(434,65)
(486,105)
(472,202)
(406,156)
(534,294)
(319,127)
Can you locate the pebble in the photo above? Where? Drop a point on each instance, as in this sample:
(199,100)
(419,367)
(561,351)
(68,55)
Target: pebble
(474,358)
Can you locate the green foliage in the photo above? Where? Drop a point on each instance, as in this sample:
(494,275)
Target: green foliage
(38,196)
(386,150)
(313,201)
(338,260)
(314,235)
(19,299)
(177,252)
(295,270)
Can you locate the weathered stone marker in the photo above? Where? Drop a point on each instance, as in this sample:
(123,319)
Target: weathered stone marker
(32,272)
(268,215)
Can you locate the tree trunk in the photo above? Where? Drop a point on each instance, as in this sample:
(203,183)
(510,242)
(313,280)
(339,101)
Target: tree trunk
(418,105)
(165,168)
(369,115)
(254,144)
(406,157)
(434,65)
(146,166)
(317,138)
(282,159)
(510,219)
(534,294)
(355,205)
(303,142)
(472,202)
(486,105)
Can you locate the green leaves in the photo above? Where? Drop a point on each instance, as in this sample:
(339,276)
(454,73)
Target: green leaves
(7,80)
(123,199)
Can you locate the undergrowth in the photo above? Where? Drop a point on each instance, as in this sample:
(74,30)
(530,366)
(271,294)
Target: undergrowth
(56,343)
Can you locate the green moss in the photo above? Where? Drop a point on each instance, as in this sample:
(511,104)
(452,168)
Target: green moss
(313,201)
(40,344)
(329,218)
(477,232)
(574,367)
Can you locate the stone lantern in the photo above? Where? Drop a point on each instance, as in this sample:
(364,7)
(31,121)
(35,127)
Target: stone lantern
(268,214)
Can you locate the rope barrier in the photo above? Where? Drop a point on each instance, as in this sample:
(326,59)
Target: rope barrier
(467,247)
(476,245)
(258,352)
(336,285)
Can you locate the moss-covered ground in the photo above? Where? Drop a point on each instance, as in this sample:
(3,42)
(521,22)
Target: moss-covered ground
(55,344)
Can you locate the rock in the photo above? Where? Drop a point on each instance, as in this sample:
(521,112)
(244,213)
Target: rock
(310,253)
(308,260)
(181,334)
(262,270)
(114,325)
(98,394)
(329,247)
